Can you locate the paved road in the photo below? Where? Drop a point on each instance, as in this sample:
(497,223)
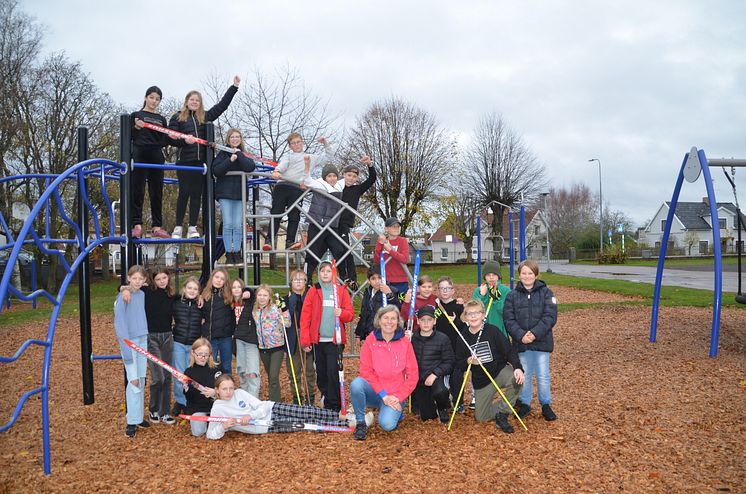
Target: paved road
(644,274)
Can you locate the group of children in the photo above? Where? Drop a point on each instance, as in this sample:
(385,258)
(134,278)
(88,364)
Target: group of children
(329,225)
(500,335)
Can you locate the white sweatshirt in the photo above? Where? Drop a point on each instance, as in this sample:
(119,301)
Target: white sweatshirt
(240,405)
(292,167)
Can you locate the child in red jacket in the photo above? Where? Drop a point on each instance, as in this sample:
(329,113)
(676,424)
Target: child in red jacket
(317,332)
(395,250)
(424,297)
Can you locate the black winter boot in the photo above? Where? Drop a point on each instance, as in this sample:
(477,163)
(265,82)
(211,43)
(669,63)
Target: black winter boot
(501,419)
(548,413)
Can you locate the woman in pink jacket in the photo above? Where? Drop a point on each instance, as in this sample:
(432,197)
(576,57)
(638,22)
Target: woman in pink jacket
(388,372)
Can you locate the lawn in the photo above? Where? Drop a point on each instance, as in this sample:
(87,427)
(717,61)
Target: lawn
(104,292)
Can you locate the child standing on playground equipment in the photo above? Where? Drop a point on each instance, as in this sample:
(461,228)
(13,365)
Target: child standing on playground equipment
(203,370)
(492,294)
(247,343)
(494,352)
(435,362)
(131,323)
(453,307)
(147,147)
(372,300)
(242,408)
(424,297)
(191,120)
(351,195)
(292,168)
(303,363)
(187,329)
(269,323)
(219,320)
(324,211)
(317,332)
(530,314)
(228,193)
(396,248)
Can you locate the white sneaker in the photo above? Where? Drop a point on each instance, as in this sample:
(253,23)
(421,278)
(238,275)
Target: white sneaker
(192,232)
(177,232)
(369,418)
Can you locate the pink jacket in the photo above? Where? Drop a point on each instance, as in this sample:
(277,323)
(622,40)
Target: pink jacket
(389,367)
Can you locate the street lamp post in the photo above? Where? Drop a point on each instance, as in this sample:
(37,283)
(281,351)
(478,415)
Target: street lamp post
(600,208)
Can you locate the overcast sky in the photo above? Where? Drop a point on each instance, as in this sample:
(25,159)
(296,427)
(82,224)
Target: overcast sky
(635,84)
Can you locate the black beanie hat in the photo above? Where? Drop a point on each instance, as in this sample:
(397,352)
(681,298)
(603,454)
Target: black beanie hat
(491,267)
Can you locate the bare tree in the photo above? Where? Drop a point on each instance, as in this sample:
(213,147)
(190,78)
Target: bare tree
(571,216)
(502,168)
(268,108)
(412,155)
(461,211)
(20,40)
(57,98)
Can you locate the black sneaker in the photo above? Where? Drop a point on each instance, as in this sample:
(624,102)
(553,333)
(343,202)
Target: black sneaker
(167,419)
(144,424)
(154,417)
(473,404)
(522,409)
(361,431)
(501,419)
(460,408)
(130,431)
(443,415)
(548,413)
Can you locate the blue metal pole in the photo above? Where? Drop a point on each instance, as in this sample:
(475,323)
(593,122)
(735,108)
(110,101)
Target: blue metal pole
(512,247)
(662,252)
(479,250)
(718,295)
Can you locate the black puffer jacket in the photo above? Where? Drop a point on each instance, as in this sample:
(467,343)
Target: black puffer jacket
(196,152)
(369,307)
(246,325)
(323,209)
(434,354)
(220,322)
(187,321)
(229,186)
(532,310)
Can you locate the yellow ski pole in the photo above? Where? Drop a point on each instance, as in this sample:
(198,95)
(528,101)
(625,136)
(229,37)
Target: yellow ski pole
(502,395)
(460,394)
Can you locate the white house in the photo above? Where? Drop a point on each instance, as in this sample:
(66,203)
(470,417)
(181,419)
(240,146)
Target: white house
(691,230)
(448,247)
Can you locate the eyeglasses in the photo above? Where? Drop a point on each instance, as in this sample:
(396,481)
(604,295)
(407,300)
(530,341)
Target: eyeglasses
(203,355)
(474,313)
(445,288)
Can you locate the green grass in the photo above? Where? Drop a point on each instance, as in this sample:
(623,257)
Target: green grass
(103,293)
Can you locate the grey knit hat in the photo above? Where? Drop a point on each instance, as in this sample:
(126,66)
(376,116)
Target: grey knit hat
(329,169)
(491,267)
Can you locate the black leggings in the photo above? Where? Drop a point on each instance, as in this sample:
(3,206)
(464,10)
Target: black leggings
(190,190)
(283,196)
(154,178)
(432,398)
(319,243)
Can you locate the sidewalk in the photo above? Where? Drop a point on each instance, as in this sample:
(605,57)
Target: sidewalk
(642,274)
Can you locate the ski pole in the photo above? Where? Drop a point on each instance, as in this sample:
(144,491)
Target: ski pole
(204,142)
(383,281)
(484,369)
(338,337)
(303,378)
(287,345)
(460,394)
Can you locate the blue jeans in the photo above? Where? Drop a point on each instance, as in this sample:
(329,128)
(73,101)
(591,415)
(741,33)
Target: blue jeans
(136,369)
(362,395)
(180,363)
(223,347)
(534,362)
(232,224)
